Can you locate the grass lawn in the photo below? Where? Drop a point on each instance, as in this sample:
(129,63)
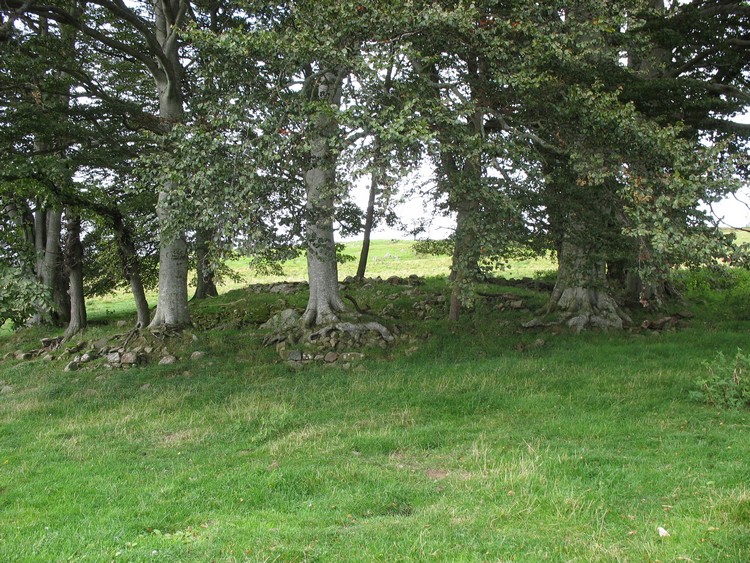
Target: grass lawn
(472,442)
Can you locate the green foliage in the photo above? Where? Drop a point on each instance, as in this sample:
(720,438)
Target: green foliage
(727,384)
(706,280)
(341,256)
(21,296)
(433,247)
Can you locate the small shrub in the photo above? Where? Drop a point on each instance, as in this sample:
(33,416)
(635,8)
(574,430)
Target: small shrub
(727,384)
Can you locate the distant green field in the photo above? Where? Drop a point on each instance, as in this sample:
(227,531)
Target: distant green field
(386,258)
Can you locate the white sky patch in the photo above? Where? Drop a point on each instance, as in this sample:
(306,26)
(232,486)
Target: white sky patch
(414,209)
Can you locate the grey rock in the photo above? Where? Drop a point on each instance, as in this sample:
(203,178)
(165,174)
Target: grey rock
(284,288)
(294,356)
(331,357)
(167,360)
(197,355)
(113,357)
(129,358)
(281,321)
(72,366)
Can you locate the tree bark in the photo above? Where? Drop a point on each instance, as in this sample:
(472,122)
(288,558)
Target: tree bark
(464,187)
(52,268)
(172,305)
(130,265)
(205,285)
(325,301)
(581,291)
(369,222)
(74,266)
(465,261)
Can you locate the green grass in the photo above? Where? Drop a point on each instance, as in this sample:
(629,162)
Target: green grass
(466,444)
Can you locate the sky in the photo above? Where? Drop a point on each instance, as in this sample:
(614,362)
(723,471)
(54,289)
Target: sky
(732,212)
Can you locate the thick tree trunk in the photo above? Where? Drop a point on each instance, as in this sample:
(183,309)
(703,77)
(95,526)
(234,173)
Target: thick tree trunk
(172,305)
(464,185)
(325,301)
(52,268)
(74,265)
(205,285)
(465,262)
(581,292)
(633,290)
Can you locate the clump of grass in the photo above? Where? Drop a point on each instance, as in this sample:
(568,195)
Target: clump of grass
(727,383)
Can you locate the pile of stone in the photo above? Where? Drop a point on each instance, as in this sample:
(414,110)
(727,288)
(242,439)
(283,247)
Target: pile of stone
(411,280)
(331,344)
(434,306)
(120,351)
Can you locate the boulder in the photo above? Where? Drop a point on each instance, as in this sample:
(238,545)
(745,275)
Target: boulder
(281,321)
(331,357)
(129,358)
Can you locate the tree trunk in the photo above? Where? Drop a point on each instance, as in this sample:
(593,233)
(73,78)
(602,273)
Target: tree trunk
(22,217)
(74,265)
(143,314)
(40,238)
(52,268)
(464,187)
(172,305)
(465,261)
(581,292)
(369,221)
(131,267)
(205,285)
(325,301)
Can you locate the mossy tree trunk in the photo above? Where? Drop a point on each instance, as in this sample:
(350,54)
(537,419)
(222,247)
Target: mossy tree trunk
(74,266)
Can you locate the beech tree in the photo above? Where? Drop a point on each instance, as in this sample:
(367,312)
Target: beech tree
(147,34)
(282,118)
(60,134)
